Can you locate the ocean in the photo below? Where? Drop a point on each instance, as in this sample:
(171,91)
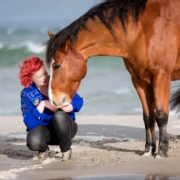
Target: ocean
(107,88)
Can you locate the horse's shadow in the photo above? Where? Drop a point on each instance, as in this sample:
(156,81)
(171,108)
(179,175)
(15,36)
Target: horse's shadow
(111,148)
(111,134)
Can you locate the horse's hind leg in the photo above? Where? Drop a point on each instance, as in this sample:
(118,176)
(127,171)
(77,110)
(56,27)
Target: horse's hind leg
(146,95)
(161,84)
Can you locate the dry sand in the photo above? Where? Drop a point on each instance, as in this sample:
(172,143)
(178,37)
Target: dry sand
(103,146)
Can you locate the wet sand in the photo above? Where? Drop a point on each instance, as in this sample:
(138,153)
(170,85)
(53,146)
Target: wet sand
(110,145)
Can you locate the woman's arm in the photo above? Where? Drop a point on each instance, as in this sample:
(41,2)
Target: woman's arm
(77,103)
(41,106)
(32,116)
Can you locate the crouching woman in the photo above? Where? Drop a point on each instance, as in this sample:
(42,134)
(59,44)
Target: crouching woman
(46,125)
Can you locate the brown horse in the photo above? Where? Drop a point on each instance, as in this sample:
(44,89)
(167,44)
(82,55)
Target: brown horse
(146,33)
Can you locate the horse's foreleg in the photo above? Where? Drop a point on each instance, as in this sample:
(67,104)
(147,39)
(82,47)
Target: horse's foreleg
(146,95)
(161,85)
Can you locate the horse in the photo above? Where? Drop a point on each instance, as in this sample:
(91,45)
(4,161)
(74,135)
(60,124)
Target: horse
(145,33)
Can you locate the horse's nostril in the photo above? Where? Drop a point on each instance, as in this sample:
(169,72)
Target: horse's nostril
(54,103)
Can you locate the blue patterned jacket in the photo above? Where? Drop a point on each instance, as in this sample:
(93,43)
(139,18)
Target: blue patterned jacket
(30,99)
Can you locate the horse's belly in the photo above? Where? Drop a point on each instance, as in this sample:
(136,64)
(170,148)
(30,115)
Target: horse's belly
(176,72)
(175,75)
(146,76)
(138,73)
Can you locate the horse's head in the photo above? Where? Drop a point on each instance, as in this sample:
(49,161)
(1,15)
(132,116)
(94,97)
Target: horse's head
(67,69)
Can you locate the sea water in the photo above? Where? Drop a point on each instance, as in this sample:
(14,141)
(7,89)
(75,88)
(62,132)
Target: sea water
(107,88)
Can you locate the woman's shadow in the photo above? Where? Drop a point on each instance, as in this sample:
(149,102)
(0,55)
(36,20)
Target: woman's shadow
(15,149)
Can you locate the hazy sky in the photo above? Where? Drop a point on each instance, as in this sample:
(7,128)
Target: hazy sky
(42,12)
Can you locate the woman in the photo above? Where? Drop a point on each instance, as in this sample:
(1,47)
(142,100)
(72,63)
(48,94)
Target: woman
(46,125)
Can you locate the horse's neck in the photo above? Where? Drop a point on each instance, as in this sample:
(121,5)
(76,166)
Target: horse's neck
(100,42)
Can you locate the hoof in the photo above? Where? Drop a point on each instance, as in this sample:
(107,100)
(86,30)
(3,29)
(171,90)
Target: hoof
(159,156)
(147,154)
(163,153)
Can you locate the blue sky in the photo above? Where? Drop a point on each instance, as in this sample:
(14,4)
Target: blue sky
(42,12)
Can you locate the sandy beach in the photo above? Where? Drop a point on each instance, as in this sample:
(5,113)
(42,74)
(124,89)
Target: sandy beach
(104,146)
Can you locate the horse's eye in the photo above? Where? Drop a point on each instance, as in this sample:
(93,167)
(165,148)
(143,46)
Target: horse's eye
(56,67)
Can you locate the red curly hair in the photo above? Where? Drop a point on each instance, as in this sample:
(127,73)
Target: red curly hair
(27,68)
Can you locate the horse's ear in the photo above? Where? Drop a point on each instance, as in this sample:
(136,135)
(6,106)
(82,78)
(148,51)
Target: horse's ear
(51,35)
(67,45)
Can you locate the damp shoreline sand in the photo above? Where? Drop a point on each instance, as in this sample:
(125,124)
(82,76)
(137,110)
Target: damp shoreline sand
(104,145)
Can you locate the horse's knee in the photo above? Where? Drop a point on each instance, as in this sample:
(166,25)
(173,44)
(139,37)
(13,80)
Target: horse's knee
(161,118)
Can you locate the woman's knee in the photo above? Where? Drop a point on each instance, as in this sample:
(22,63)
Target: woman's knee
(74,130)
(34,143)
(36,139)
(60,117)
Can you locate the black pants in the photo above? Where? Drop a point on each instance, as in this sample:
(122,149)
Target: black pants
(60,131)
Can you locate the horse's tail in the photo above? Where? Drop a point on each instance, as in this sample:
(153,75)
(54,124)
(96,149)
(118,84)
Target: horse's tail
(175,101)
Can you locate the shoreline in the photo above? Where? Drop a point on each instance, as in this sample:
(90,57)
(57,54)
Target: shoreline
(14,124)
(109,145)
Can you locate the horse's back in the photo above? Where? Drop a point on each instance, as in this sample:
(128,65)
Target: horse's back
(161,28)
(157,42)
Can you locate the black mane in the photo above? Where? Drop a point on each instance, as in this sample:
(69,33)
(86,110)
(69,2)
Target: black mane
(120,9)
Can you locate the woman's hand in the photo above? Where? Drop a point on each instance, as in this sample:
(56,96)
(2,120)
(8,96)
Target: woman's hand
(50,106)
(67,108)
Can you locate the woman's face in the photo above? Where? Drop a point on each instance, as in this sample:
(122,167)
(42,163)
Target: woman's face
(41,78)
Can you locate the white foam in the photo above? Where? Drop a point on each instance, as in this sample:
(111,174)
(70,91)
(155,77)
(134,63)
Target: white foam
(49,160)
(91,133)
(35,48)
(100,138)
(12,173)
(17,136)
(30,45)
(4,175)
(86,138)
(19,143)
